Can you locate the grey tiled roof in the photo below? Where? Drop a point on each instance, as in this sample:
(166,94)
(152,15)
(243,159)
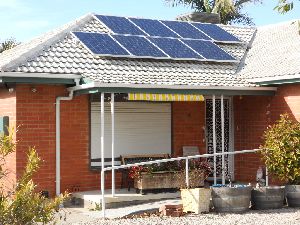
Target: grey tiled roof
(58,52)
(275,53)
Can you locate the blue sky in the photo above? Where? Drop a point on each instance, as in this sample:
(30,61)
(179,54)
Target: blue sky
(25,19)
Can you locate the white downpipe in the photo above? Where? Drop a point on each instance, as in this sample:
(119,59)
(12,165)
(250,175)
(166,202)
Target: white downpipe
(214,139)
(57,143)
(112,107)
(223,139)
(102,156)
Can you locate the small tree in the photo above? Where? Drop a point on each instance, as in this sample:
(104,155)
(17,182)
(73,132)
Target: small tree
(230,11)
(284,6)
(281,149)
(22,204)
(8,44)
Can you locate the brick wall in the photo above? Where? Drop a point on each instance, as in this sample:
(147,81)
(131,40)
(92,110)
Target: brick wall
(8,108)
(36,118)
(188,120)
(250,121)
(252,115)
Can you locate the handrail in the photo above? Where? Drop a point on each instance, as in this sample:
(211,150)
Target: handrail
(166,160)
(178,159)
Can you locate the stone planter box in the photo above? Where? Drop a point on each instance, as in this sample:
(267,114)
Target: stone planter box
(196,200)
(157,182)
(161,181)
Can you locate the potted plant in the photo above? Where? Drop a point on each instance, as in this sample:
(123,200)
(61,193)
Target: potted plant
(195,198)
(266,197)
(281,153)
(231,198)
(155,177)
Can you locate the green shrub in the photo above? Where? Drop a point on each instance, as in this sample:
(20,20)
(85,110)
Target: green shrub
(281,149)
(22,204)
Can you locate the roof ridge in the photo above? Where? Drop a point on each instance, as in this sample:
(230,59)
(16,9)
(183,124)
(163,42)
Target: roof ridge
(289,22)
(32,48)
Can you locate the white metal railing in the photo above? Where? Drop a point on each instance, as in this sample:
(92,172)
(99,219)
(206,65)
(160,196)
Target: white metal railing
(186,158)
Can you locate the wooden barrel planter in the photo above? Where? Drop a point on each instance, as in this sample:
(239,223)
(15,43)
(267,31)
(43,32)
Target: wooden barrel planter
(292,193)
(267,197)
(231,199)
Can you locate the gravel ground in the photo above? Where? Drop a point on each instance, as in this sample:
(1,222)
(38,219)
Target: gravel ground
(285,216)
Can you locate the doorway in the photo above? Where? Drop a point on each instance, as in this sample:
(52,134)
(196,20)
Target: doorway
(228,137)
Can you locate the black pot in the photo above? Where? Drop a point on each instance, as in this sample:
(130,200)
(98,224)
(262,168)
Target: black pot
(292,194)
(231,199)
(267,197)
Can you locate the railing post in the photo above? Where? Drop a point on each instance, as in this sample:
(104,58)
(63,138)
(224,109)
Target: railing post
(187,180)
(102,194)
(267,177)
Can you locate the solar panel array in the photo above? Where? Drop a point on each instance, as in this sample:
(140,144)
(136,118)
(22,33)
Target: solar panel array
(146,38)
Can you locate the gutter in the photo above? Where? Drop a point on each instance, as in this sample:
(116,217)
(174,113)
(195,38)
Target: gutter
(175,87)
(39,75)
(57,134)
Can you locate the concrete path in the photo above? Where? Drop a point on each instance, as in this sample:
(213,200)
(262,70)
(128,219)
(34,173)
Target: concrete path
(80,215)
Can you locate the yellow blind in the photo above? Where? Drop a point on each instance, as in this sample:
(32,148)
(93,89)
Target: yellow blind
(164,97)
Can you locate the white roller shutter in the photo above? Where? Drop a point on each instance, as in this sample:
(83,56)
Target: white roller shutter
(140,128)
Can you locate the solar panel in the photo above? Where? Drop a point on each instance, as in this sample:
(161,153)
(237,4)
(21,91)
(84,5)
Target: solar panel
(120,25)
(216,32)
(186,30)
(174,48)
(209,50)
(139,46)
(154,28)
(101,44)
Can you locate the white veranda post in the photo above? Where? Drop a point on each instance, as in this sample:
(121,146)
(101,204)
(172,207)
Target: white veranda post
(214,139)
(112,106)
(223,139)
(102,154)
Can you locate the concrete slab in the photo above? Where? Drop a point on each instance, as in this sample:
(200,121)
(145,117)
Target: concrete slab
(80,214)
(122,198)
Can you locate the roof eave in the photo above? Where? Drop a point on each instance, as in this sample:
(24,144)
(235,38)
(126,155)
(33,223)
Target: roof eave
(287,79)
(95,87)
(38,78)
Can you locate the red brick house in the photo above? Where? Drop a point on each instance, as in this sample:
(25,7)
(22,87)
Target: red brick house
(257,88)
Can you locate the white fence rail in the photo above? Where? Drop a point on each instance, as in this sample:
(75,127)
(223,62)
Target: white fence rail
(186,158)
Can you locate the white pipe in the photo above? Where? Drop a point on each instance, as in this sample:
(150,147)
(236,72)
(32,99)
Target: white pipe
(102,155)
(57,143)
(223,139)
(112,106)
(214,139)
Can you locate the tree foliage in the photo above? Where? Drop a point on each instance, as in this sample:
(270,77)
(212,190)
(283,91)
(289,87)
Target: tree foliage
(8,44)
(281,149)
(230,11)
(22,204)
(284,6)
